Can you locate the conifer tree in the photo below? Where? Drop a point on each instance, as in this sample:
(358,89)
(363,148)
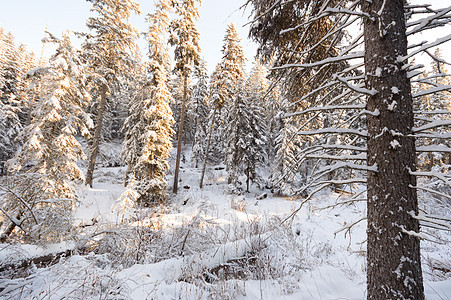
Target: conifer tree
(40,193)
(148,129)
(199,111)
(224,84)
(14,63)
(246,131)
(284,167)
(185,38)
(106,51)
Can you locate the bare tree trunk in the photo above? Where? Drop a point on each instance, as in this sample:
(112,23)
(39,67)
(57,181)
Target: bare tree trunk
(393,262)
(201,184)
(179,141)
(96,138)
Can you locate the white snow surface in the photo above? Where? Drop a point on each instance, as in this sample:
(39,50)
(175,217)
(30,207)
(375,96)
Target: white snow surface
(305,257)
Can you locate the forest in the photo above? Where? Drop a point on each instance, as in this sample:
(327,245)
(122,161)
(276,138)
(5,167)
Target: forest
(322,172)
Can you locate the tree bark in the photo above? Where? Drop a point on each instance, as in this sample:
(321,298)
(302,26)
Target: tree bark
(96,138)
(394,267)
(201,184)
(179,141)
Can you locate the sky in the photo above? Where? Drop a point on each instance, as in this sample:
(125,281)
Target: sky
(27,20)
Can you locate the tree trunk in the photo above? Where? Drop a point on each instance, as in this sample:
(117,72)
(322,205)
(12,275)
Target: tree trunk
(248,177)
(179,141)
(201,184)
(96,138)
(394,267)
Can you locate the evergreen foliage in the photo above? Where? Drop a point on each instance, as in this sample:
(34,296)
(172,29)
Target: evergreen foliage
(148,129)
(199,111)
(106,51)
(246,135)
(185,38)
(40,191)
(14,63)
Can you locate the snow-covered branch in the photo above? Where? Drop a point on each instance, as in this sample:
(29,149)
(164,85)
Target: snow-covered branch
(361,156)
(425,47)
(434,90)
(326,61)
(439,18)
(434,174)
(434,148)
(432,125)
(335,131)
(438,222)
(432,191)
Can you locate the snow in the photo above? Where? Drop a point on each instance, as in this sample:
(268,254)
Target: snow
(395,144)
(307,256)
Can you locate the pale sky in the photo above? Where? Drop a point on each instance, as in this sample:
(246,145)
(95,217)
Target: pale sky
(27,19)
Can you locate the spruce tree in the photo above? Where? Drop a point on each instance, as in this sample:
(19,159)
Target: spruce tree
(224,86)
(199,111)
(148,129)
(14,63)
(40,190)
(185,38)
(246,135)
(106,51)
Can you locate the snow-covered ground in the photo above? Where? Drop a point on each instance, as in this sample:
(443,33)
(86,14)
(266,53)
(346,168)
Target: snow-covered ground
(209,244)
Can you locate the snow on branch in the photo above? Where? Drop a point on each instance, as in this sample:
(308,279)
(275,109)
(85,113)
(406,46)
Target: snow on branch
(427,79)
(434,148)
(322,108)
(432,125)
(434,174)
(433,135)
(426,189)
(361,156)
(335,131)
(342,147)
(430,21)
(438,222)
(436,43)
(323,184)
(326,61)
(434,90)
(433,112)
(340,165)
(13,220)
(10,191)
(356,88)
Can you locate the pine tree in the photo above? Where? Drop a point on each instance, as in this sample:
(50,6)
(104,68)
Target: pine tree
(148,129)
(224,86)
(106,51)
(185,38)
(40,192)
